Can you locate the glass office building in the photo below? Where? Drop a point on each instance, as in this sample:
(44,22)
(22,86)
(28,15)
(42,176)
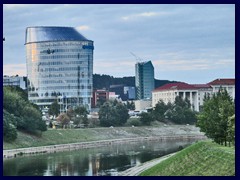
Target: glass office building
(144,80)
(59,67)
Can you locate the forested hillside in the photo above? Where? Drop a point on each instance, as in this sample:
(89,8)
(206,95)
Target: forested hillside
(104,81)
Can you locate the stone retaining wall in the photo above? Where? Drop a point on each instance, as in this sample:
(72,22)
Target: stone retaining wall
(83,145)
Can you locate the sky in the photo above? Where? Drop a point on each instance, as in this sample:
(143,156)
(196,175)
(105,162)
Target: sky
(192,43)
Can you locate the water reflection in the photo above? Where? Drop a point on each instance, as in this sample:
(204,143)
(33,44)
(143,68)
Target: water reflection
(104,161)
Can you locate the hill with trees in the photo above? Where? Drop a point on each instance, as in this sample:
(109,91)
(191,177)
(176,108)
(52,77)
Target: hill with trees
(104,81)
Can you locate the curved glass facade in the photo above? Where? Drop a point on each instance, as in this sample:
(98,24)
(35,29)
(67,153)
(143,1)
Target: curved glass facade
(58,68)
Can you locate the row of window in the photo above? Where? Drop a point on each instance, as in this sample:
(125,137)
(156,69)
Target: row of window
(76,56)
(69,43)
(56,88)
(62,69)
(65,101)
(62,81)
(62,63)
(60,75)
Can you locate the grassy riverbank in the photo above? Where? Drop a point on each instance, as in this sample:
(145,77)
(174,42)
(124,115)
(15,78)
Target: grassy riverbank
(64,136)
(200,159)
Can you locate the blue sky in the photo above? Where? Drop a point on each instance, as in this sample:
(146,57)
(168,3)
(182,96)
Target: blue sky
(192,43)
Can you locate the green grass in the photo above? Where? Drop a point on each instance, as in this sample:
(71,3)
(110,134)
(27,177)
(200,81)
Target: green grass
(65,136)
(200,159)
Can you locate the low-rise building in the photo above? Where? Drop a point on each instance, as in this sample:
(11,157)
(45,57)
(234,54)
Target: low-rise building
(19,81)
(195,93)
(142,104)
(99,97)
(228,84)
(168,92)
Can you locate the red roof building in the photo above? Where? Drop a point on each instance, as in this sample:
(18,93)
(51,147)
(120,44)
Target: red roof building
(168,92)
(175,86)
(222,82)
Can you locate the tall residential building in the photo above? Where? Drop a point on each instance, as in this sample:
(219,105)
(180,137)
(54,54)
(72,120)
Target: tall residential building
(144,80)
(59,66)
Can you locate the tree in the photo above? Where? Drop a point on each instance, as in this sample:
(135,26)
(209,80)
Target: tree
(160,110)
(130,105)
(25,116)
(54,108)
(80,110)
(214,118)
(70,113)
(181,112)
(9,127)
(63,119)
(32,120)
(113,114)
(146,118)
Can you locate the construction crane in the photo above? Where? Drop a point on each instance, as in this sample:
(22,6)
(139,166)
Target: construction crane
(138,59)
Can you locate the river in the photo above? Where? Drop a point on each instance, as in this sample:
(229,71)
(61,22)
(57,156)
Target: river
(100,161)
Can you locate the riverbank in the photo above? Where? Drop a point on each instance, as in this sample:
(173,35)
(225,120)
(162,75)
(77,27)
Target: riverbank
(70,139)
(84,145)
(66,136)
(200,159)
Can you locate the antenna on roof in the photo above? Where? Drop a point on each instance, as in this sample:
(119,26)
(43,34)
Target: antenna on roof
(138,59)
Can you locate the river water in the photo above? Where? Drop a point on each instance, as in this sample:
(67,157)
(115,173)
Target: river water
(100,161)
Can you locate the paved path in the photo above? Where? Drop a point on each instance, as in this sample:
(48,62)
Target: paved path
(136,170)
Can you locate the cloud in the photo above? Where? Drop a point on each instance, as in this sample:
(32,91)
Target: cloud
(118,68)
(144,14)
(16,6)
(14,69)
(83,28)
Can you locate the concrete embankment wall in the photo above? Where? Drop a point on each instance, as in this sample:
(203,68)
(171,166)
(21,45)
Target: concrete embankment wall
(83,145)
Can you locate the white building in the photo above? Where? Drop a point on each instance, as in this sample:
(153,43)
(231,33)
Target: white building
(228,84)
(168,92)
(142,104)
(194,92)
(203,90)
(14,81)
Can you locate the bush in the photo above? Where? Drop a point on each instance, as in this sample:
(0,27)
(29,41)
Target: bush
(133,122)
(146,118)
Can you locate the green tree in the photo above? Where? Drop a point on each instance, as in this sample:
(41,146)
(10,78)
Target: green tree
(181,113)
(130,105)
(32,120)
(214,118)
(113,114)
(54,109)
(80,110)
(146,118)
(26,115)
(160,109)
(9,127)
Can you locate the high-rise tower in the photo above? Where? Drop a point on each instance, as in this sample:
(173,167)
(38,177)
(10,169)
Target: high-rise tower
(59,66)
(144,80)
